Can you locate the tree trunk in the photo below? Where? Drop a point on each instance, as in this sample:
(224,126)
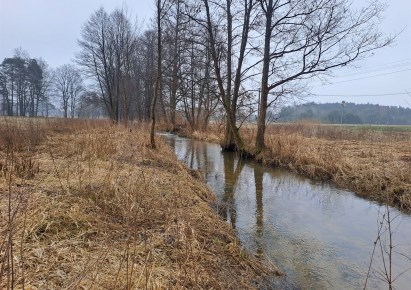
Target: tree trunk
(229,94)
(161,99)
(153,115)
(176,60)
(229,137)
(158,78)
(229,143)
(259,141)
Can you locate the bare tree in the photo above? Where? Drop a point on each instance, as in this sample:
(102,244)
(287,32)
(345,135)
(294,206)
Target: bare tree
(173,48)
(46,87)
(108,43)
(304,39)
(197,90)
(22,81)
(160,14)
(124,46)
(144,74)
(186,82)
(97,57)
(228,25)
(68,85)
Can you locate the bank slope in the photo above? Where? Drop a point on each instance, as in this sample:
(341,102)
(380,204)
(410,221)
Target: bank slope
(90,205)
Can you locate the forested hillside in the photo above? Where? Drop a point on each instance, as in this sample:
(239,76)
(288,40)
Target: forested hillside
(348,113)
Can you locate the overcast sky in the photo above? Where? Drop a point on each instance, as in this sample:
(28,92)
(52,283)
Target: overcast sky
(50,28)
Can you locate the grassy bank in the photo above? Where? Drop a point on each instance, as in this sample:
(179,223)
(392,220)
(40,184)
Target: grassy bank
(376,164)
(90,205)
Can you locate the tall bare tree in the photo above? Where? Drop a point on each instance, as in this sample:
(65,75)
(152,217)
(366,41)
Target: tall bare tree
(173,39)
(124,46)
(68,85)
(108,44)
(46,87)
(97,57)
(304,39)
(228,26)
(197,89)
(186,82)
(144,74)
(160,14)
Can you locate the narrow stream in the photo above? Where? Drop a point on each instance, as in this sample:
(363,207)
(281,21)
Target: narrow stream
(320,236)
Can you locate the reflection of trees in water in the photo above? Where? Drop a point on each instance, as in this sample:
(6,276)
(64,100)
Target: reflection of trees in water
(205,162)
(293,206)
(281,182)
(258,181)
(232,172)
(171,141)
(297,187)
(189,154)
(196,157)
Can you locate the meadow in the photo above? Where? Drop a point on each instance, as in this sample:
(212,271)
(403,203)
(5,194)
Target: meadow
(89,205)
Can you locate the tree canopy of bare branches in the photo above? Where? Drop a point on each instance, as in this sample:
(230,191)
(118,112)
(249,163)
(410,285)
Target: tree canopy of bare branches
(68,85)
(305,39)
(107,46)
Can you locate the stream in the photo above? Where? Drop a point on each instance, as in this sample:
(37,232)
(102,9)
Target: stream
(321,237)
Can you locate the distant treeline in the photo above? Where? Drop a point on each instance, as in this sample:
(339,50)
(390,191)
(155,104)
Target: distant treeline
(348,113)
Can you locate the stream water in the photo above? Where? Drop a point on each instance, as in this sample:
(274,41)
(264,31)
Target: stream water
(321,237)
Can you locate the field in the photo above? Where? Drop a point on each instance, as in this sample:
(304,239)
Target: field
(379,128)
(372,161)
(88,205)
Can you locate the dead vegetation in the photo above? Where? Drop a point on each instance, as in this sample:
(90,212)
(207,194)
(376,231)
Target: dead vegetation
(374,164)
(86,204)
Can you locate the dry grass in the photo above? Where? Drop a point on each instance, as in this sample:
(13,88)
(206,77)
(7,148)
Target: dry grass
(374,164)
(207,136)
(88,205)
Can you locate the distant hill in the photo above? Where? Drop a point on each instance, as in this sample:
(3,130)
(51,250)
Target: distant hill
(350,113)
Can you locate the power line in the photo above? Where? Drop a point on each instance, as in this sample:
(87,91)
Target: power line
(374,70)
(363,95)
(384,64)
(369,77)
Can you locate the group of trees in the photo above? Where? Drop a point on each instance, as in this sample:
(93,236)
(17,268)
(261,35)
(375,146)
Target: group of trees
(68,85)
(108,46)
(130,73)
(23,86)
(28,87)
(272,46)
(200,57)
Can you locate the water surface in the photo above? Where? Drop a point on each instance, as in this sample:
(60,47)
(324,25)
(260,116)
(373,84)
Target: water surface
(320,236)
